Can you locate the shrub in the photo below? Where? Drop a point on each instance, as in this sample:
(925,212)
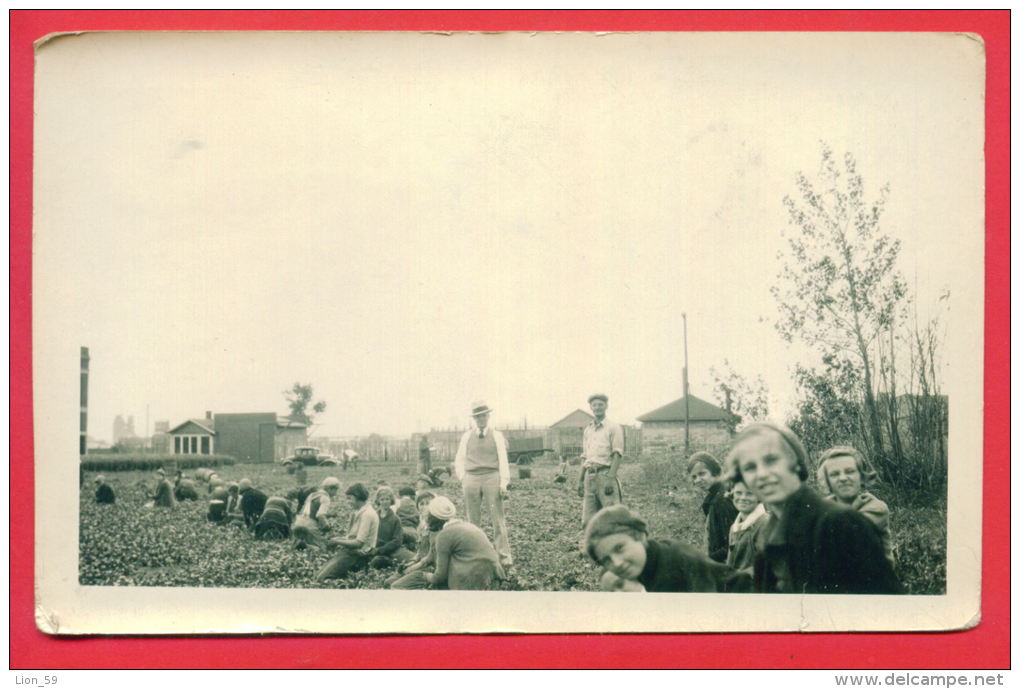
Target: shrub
(143,462)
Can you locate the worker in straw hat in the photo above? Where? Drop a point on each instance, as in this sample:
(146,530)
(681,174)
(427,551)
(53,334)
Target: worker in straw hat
(482,467)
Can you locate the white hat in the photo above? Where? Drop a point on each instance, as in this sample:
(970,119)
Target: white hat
(442,508)
(478,407)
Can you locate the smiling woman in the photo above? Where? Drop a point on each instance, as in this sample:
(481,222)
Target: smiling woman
(809,545)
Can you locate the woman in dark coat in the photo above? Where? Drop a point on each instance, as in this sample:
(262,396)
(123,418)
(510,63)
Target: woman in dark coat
(810,544)
(705,473)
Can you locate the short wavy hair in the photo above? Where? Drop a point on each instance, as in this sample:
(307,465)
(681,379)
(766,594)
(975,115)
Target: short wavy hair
(358,490)
(381,491)
(864,468)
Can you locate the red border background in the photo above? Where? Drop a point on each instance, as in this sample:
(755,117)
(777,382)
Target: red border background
(986,646)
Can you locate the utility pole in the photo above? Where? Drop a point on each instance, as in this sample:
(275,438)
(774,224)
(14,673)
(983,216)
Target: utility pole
(687,395)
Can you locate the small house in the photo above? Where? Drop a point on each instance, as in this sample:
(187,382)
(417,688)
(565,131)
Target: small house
(663,429)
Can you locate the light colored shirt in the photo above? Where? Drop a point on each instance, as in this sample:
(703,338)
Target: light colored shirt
(600,441)
(323,499)
(461,463)
(364,528)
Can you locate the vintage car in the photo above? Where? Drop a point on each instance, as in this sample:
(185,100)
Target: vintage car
(308,456)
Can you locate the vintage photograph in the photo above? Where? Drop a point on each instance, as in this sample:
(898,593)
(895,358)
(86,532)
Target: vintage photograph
(424,332)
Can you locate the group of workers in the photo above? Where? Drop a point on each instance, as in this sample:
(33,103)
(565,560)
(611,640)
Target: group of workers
(767,530)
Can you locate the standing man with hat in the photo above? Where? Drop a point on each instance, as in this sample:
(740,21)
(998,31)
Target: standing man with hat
(482,468)
(602,454)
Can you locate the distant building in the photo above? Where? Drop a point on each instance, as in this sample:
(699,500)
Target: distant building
(662,429)
(193,437)
(248,438)
(565,435)
(160,441)
(123,427)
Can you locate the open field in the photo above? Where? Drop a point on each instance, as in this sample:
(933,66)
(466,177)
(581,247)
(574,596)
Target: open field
(126,544)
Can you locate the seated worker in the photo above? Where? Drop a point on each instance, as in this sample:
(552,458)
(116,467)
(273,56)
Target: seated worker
(407,514)
(184,488)
(355,549)
(844,474)
(389,548)
(104,494)
(809,544)
(705,472)
(617,539)
(465,559)
(413,574)
(310,521)
(751,517)
(274,524)
(253,502)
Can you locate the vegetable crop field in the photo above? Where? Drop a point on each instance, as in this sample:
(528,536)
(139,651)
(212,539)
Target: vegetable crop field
(126,544)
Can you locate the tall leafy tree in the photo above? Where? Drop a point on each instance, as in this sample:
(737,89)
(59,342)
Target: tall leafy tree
(299,398)
(839,290)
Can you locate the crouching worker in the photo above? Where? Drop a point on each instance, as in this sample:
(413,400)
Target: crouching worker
(310,522)
(389,548)
(274,524)
(465,559)
(617,539)
(164,494)
(184,488)
(355,549)
(104,494)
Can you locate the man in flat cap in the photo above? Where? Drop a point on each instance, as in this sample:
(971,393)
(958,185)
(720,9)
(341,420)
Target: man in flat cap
(482,467)
(602,453)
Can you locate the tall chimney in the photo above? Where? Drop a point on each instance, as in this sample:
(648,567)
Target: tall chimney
(84,426)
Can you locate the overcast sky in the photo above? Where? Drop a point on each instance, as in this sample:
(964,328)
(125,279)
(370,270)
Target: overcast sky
(411,222)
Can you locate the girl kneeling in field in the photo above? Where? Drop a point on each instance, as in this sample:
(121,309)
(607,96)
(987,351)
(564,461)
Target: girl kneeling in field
(310,521)
(389,549)
(844,474)
(413,575)
(617,539)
